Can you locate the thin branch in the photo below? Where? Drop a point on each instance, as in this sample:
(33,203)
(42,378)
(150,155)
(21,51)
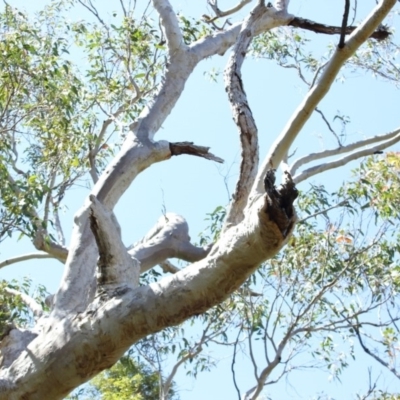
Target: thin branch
(381,33)
(233,364)
(29,301)
(340,204)
(57,224)
(340,150)
(220,14)
(328,125)
(344,24)
(344,160)
(373,355)
(25,257)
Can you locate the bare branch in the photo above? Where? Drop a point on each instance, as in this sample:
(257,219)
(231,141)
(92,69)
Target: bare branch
(25,257)
(319,90)
(167,266)
(328,125)
(340,150)
(169,238)
(28,300)
(170,25)
(381,33)
(115,266)
(324,211)
(344,24)
(282,4)
(372,354)
(219,13)
(179,148)
(243,117)
(344,160)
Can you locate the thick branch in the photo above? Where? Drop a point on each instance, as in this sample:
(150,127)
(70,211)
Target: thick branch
(115,267)
(168,239)
(113,324)
(380,33)
(282,4)
(138,153)
(243,117)
(170,24)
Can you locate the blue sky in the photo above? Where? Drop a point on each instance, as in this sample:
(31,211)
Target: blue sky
(193,187)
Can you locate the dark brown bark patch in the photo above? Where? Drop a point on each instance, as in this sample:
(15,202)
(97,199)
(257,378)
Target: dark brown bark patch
(279,202)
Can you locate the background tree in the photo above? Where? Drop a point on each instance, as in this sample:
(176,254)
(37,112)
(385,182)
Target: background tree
(71,122)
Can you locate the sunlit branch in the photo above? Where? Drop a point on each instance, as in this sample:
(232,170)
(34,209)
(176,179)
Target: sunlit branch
(49,197)
(169,238)
(340,150)
(25,257)
(170,25)
(29,301)
(344,160)
(115,266)
(319,90)
(220,14)
(282,4)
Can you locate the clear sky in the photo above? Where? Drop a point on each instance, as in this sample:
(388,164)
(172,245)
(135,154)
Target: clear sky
(193,187)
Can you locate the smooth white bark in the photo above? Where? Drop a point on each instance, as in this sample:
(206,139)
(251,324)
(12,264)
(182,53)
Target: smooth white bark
(25,257)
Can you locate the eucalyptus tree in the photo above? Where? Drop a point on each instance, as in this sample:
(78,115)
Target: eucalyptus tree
(63,121)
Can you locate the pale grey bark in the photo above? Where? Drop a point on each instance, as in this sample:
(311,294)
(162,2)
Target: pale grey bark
(93,323)
(169,238)
(343,149)
(24,257)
